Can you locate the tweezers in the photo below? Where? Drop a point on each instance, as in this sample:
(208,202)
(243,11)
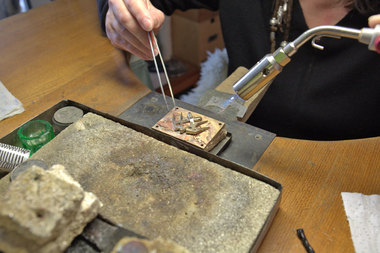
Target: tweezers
(158,72)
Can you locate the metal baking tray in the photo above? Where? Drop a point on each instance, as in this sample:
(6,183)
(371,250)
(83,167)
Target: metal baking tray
(47,115)
(246,143)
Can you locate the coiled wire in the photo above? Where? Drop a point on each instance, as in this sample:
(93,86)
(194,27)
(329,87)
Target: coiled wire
(11,156)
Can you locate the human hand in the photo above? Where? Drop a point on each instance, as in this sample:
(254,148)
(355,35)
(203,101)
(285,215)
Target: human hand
(127,24)
(374,20)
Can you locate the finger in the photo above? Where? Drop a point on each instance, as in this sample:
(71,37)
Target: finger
(132,32)
(374,20)
(119,42)
(126,19)
(140,10)
(121,38)
(158,17)
(124,45)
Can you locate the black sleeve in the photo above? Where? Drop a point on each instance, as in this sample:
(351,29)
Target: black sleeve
(166,6)
(169,6)
(102,11)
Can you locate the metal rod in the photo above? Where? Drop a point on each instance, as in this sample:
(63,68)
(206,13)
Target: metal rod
(166,74)
(271,65)
(320,31)
(158,71)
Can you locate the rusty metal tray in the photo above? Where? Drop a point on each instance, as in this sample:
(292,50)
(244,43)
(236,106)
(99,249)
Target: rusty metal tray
(246,143)
(47,115)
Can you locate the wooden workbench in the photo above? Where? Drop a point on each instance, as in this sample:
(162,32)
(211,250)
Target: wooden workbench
(57,51)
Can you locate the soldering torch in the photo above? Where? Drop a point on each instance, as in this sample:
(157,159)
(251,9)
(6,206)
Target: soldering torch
(271,65)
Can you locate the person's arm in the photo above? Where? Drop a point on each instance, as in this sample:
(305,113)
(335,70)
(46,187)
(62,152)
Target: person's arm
(127,22)
(102,11)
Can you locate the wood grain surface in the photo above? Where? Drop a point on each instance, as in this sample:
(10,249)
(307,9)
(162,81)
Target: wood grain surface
(57,51)
(313,174)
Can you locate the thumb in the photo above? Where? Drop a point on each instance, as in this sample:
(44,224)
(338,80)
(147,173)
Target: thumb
(158,18)
(374,20)
(144,12)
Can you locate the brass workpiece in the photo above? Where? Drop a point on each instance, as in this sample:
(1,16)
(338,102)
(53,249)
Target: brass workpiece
(194,128)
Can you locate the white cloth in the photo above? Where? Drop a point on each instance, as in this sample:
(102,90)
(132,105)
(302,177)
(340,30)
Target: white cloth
(213,72)
(363,214)
(9,105)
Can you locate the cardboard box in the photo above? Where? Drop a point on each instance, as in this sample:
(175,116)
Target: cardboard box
(197,15)
(192,39)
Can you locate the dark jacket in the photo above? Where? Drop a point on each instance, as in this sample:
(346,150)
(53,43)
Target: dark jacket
(320,95)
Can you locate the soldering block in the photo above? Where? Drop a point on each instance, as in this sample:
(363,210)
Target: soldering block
(155,189)
(205,140)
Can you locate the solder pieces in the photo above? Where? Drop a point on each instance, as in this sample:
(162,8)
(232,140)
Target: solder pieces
(178,124)
(192,129)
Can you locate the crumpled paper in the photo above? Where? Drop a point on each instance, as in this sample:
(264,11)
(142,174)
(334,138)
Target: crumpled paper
(9,105)
(363,214)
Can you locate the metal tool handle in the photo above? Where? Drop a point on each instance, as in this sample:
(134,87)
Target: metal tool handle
(371,37)
(271,65)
